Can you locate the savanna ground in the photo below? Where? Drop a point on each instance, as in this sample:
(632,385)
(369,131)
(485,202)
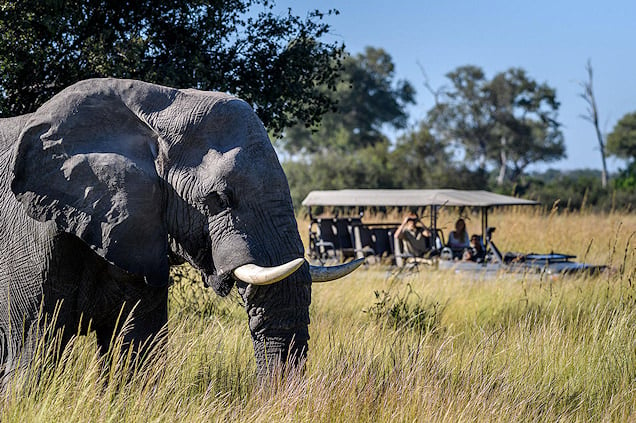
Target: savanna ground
(427,346)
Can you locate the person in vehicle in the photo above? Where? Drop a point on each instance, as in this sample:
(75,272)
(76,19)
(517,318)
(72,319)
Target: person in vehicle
(416,237)
(476,250)
(458,239)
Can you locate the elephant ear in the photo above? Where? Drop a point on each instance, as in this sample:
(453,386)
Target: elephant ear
(86,162)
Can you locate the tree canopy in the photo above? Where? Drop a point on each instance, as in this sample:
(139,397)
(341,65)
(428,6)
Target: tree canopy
(621,142)
(421,160)
(348,147)
(368,98)
(509,121)
(275,62)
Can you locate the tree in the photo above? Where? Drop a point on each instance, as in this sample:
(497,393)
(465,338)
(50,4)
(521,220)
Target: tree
(368,98)
(621,142)
(525,114)
(275,62)
(509,121)
(420,160)
(591,116)
(369,167)
(459,116)
(348,148)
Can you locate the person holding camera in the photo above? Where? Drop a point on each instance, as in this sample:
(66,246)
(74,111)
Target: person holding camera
(416,238)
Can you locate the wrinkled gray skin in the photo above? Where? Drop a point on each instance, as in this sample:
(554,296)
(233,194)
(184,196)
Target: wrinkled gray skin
(109,180)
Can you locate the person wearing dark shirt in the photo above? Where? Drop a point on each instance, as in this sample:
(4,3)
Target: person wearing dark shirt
(416,238)
(475,252)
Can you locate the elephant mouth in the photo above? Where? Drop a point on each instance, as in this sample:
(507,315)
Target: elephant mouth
(221,284)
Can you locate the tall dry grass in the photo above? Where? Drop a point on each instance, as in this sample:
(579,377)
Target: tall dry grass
(385,346)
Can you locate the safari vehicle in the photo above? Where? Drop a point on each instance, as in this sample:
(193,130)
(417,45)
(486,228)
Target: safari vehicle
(340,237)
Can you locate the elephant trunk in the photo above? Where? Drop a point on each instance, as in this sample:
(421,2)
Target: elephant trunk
(276,353)
(278,320)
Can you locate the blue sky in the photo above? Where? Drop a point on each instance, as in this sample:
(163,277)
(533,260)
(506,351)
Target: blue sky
(551,40)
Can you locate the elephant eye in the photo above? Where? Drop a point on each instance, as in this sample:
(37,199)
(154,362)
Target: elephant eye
(216,202)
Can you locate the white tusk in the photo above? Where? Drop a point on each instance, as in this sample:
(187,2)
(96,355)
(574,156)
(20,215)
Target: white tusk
(257,275)
(326,274)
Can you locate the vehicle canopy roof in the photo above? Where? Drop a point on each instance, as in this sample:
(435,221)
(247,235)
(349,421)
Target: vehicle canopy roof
(411,198)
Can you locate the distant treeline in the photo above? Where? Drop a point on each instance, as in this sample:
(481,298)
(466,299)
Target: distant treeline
(579,189)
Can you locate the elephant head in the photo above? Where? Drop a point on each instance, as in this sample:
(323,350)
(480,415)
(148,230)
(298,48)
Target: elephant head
(142,173)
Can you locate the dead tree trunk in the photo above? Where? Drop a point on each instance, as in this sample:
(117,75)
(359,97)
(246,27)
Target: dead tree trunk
(592,116)
(501,178)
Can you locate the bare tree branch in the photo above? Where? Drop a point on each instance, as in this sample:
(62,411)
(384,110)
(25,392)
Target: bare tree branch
(592,115)
(436,93)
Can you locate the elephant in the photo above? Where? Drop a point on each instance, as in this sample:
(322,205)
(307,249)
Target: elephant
(111,182)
